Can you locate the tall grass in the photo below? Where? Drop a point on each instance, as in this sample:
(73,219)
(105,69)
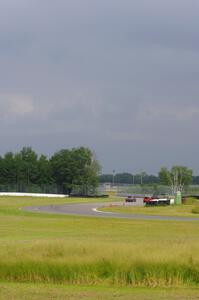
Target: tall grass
(100,263)
(102,271)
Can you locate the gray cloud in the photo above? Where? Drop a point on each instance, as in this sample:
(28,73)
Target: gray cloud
(118,76)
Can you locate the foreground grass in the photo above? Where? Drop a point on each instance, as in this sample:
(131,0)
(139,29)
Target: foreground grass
(59,292)
(43,248)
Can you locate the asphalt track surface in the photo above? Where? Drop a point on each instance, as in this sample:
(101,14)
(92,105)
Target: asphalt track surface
(93,210)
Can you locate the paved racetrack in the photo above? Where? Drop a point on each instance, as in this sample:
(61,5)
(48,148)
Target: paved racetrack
(90,209)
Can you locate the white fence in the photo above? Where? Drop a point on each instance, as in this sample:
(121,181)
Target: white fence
(34,195)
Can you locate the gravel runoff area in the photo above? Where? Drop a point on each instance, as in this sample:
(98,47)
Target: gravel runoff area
(93,210)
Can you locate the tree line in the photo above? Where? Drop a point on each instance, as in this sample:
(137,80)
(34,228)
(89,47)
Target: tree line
(128,178)
(68,170)
(75,171)
(165,176)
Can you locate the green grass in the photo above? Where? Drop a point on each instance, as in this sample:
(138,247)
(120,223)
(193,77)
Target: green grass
(190,209)
(43,248)
(195,210)
(23,291)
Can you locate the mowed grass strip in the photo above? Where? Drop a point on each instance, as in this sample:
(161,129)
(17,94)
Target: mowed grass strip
(45,248)
(24,291)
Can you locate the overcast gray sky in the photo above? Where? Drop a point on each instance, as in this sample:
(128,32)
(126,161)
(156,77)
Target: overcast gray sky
(118,76)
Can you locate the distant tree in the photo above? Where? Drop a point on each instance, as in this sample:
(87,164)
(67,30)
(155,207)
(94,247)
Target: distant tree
(176,178)
(75,167)
(105,178)
(8,168)
(151,179)
(195,180)
(91,176)
(86,169)
(44,173)
(60,164)
(27,162)
(125,178)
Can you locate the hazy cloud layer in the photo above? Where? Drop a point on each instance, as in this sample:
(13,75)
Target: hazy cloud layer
(118,76)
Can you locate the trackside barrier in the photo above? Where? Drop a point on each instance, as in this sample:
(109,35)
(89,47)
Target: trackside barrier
(34,195)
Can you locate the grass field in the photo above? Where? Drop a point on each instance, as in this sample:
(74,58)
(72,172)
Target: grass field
(40,251)
(24,291)
(191,209)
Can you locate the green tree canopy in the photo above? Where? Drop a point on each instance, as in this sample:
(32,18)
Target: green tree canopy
(176,178)
(75,167)
(64,171)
